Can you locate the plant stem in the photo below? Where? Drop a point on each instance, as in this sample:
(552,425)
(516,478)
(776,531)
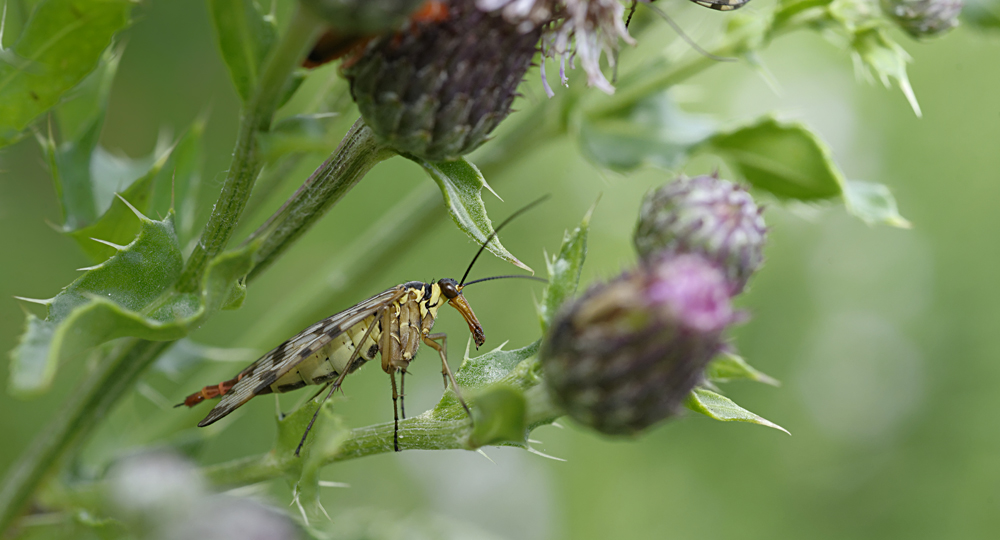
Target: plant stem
(117,372)
(393,234)
(357,154)
(428,431)
(255,118)
(86,407)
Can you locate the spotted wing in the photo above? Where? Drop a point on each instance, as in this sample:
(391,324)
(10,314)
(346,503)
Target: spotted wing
(721,5)
(283,358)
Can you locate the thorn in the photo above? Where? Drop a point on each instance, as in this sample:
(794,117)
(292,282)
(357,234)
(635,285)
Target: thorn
(45,302)
(297,503)
(134,210)
(536,452)
(110,244)
(323,509)
(556,424)
(487,186)
(327,483)
(481,452)
(89,268)
(499,348)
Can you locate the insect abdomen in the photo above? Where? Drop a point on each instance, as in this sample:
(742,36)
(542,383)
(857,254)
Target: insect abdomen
(331,360)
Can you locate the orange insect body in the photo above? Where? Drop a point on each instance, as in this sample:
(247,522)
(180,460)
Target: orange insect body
(332,45)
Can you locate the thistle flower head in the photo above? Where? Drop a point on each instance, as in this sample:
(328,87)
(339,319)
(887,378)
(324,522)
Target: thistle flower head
(706,215)
(923,18)
(626,354)
(437,88)
(583,30)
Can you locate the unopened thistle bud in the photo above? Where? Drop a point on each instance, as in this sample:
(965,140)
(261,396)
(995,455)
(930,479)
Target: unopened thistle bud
(704,215)
(627,353)
(436,89)
(923,18)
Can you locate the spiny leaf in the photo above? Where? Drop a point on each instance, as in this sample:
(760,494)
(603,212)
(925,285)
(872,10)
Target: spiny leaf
(117,225)
(491,367)
(886,58)
(510,368)
(461,184)
(126,296)
(133,278)
(724,409)
(564,270)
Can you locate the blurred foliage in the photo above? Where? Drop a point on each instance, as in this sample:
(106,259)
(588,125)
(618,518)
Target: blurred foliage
(883,337)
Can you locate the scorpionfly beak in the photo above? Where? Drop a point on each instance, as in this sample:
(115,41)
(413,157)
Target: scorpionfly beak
(463,307)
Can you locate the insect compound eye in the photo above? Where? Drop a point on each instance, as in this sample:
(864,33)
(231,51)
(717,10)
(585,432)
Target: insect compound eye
(448,288)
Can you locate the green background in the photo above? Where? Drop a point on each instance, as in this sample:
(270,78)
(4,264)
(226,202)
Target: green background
(884,339)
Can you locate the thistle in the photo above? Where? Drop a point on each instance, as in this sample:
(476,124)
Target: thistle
(704,215)
(626,354)
(436,89)
(575,30)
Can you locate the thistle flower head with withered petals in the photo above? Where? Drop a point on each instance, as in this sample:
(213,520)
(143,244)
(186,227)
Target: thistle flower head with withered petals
(574,29)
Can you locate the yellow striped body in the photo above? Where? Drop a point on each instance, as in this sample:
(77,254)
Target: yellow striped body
(407,319)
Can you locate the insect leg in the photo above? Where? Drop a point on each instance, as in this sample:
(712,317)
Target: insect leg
(333,388)
(395,412)
(431,340)
(402,393)
(340,379)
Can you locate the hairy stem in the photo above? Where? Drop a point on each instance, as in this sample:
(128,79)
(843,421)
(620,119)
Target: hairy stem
(255,118)
(433,430)
(357,154)
(117,372)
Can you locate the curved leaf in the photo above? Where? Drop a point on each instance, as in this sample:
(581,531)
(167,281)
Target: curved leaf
(721,408)
(785,159)
(461,184)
